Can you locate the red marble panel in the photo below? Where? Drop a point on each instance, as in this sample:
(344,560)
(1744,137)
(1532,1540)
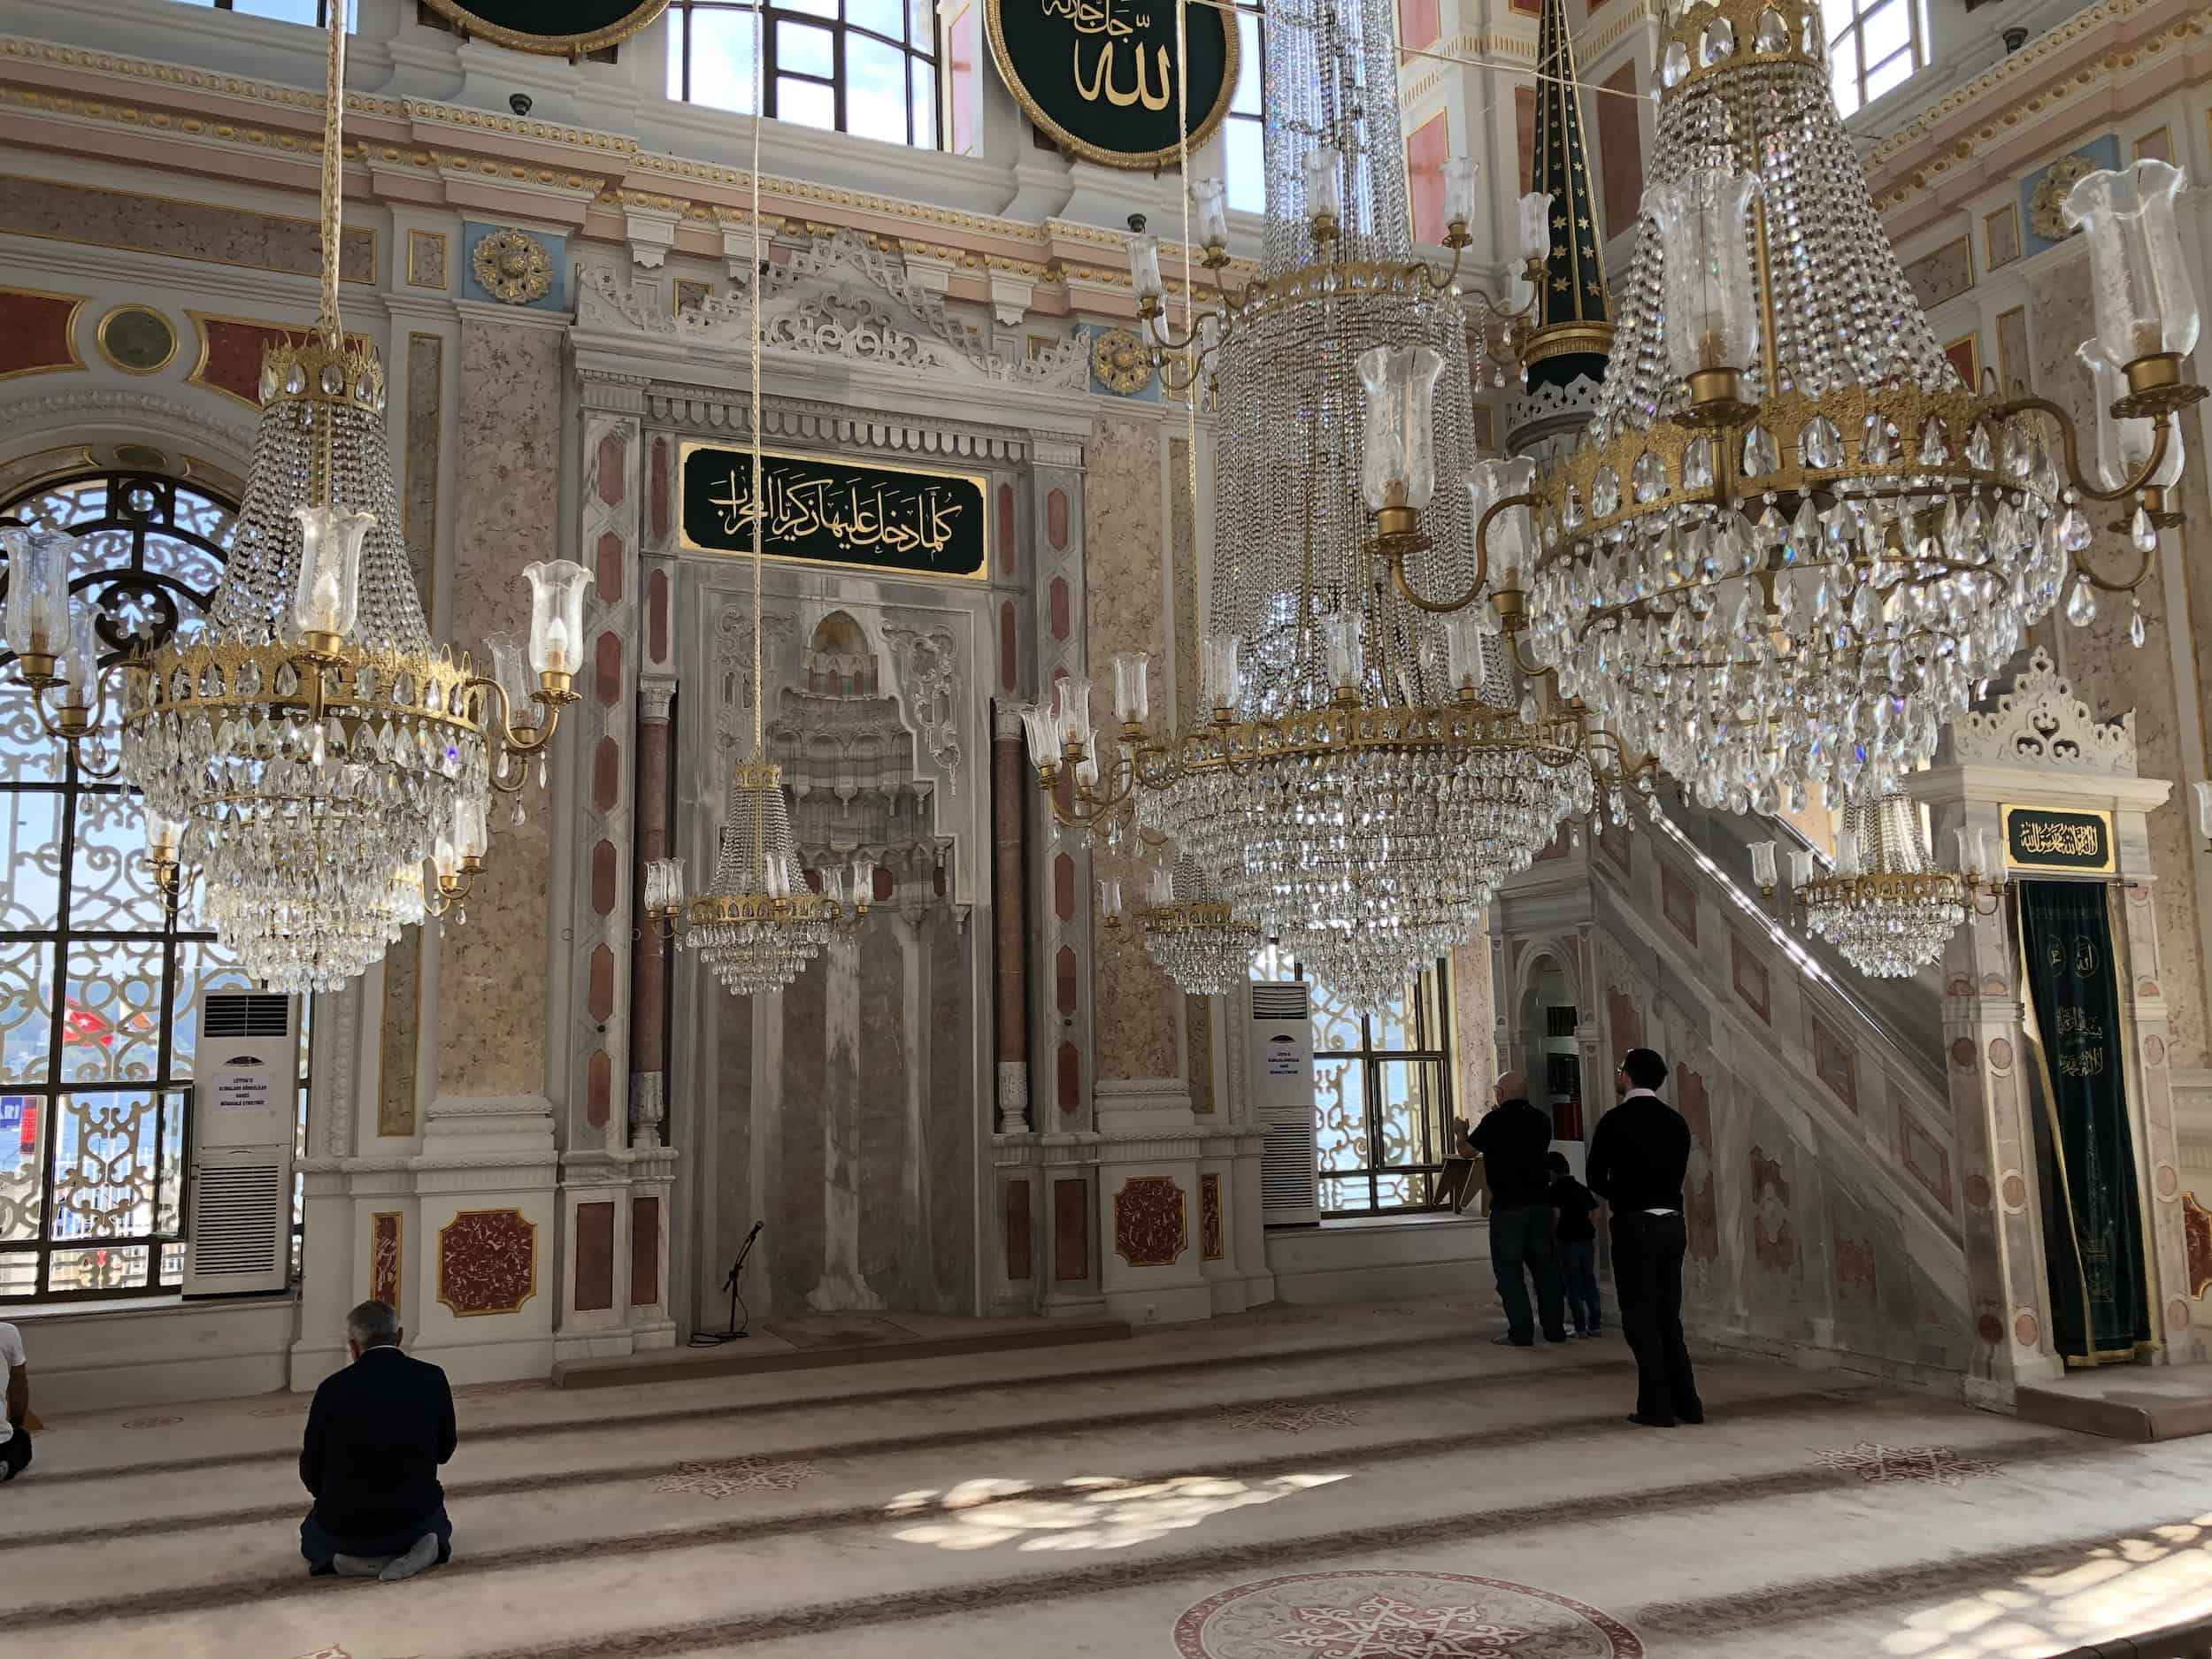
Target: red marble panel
(595,1256)
(598,1089)
(1006,526)
(1008,646)
(606,775)
(384,1251)
(487,1262)
(1773,1226)
(36,331)
(1857,1284)
(1418,27)
(605,870)
(1701,1211)
(1833,1064)
(607,662)
(1749,975)
(1151,1222)
(1069,1068)
(663,488)
(1427,149)
(656,616)
(1525,135)
(2196,1226)
(1628,1021)
(1620,150)
(608,577)
(1064,979)
(602,981)
(1063,887)
(1677,901)
(1057,520)
(1020,1262)
(1056,602)
(612,469)
(645,1251)
(1071,1230)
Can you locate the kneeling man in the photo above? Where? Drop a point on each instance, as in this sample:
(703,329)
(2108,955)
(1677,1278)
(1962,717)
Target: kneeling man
(376,1434)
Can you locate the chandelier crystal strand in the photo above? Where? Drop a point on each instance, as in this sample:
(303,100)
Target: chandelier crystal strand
(1355,795)
(1193,935)
(306,747)
(758,924)
(1795,544)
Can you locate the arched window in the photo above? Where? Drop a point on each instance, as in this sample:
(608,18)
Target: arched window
(1381,1092)
(100,985)
(1873,45)
(868,67)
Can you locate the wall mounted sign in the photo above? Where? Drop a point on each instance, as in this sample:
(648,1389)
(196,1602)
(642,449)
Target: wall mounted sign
(1101,77)
(557,28)
(2060,839)
(827,509)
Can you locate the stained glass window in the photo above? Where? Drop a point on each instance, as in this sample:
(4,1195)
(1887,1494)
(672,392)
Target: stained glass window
(100,984)
(1382,1092)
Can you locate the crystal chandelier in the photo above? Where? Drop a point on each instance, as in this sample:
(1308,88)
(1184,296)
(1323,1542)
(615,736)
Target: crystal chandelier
(1795,544)
(759,922)
(308,748)
(1887,905)
(1197,940)
(1357,790)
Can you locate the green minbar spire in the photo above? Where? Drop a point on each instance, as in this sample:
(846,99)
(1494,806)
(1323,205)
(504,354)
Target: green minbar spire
(1573,301)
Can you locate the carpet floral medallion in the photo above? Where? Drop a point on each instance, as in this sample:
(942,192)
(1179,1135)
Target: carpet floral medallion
(1881,1465)
(1398,1615)
(743,1474)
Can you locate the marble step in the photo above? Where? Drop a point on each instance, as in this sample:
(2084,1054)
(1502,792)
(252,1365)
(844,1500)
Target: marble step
(560,1580)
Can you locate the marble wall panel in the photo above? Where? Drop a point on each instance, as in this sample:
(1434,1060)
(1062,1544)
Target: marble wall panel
(1134,1013)
(1621,149)
(1187,626)
(184,230)
(397,1039)
(2113,676)
(36,331)
(419,506)
(492,982)
(731,1126)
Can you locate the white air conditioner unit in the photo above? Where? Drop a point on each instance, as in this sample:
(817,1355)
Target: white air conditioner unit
(1279,1065)
(239,1203)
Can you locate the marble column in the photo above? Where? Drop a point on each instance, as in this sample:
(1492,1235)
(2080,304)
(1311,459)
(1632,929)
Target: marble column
(1009,778)
(648,973)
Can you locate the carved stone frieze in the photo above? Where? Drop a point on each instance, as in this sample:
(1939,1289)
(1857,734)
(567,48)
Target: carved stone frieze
(2041,722)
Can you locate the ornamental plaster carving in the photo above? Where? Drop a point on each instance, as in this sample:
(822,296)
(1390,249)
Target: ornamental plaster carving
(928,667)
(2039,722)
(799,422)
(339,1064)
(734,670)
(513,268)
(840,297)
(143,415)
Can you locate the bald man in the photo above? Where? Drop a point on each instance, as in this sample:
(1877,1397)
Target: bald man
(1513,1138)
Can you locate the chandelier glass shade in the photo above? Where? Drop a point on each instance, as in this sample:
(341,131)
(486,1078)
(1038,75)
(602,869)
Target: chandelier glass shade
(1195,938)
(1363,772)
(308,749)
(1793,544)
(1885,904)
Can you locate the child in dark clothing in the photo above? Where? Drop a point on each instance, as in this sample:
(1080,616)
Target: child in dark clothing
(1577,1238)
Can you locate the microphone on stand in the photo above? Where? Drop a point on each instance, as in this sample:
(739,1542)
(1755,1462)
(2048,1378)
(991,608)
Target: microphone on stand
(715,1338)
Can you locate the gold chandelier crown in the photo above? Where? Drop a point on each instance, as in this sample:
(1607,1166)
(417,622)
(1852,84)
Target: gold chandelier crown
(322,369)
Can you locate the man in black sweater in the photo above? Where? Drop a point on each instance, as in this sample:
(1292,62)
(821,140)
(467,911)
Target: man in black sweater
(376,1435)
(1513,1138)
(1638,1158)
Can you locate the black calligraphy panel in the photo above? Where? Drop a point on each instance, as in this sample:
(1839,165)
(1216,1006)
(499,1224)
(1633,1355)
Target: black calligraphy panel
(560,28)
(1102,76)
(2050,838)
(827,511)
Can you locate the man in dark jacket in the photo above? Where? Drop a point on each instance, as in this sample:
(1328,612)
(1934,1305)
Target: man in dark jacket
(376,1435)
(1514,1137)
(1639,1156)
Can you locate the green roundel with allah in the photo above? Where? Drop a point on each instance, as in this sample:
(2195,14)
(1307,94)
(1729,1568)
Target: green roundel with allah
(1113,80)
(559,28)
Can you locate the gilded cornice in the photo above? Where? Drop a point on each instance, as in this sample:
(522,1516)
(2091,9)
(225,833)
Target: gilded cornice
(2022,91)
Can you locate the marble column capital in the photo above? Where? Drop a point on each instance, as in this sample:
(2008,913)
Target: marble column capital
(654,693)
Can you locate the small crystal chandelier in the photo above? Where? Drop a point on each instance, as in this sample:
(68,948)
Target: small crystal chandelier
(759,922)
(1361,780)
(1197,940)
(308,749)
(1795,544)
(1886,906)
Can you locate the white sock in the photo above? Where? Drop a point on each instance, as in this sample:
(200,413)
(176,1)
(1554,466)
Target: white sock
(424,1553)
